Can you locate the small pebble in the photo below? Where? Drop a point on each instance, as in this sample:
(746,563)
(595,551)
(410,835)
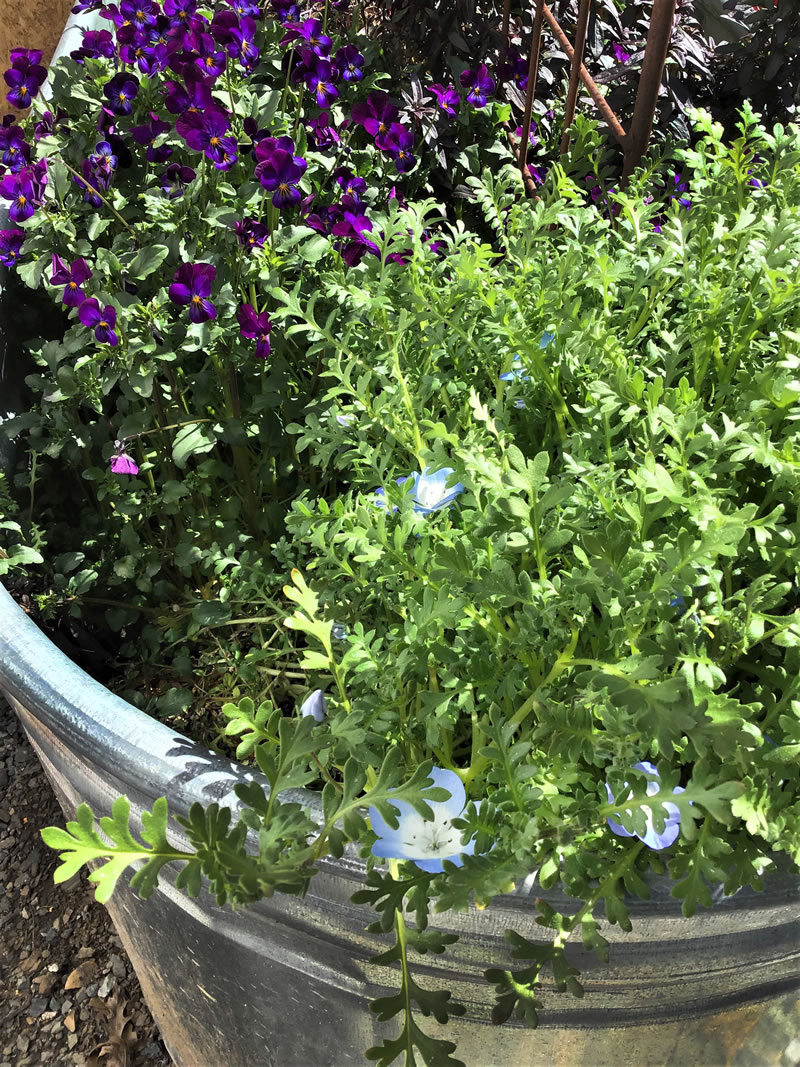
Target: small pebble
(106,985)
(37,1006)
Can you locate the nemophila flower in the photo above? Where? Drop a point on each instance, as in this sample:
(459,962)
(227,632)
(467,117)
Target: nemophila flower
(310,33)
(479,85)
(251,325)
(350,61)
(121,462)
(376,114)
(10,244)
(191,285)
(321,81)
(280,174)
(447,99)
(175,179)
(251,234)
(349,183)
(314,706)
(354,228)
(517,373)
(398,143)
(102,320)
(72,278)
(120,92)
(651,837)
(321,132)
(621,55)
(19,189)
(426,842)
(428,490)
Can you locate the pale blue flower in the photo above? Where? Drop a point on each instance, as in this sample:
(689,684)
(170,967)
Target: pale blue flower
(429,490)
(517,372)
(338,631)
(546,338)
(651,838)
(427,843)
(314,705)
(345,420)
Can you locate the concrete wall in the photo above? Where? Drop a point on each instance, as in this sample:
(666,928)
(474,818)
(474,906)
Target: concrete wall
(24,25)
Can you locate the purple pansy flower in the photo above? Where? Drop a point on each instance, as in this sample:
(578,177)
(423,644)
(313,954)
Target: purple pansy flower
(280,172)
(311,33)
(175,179)
(103,159)
(72,278)
(427,842)
(398,142)
(320,81)
(246,9)
(19,189)
(196,97)
(205,132)
(15,152)
(121,462)
(621,55)
(10,244)
(531,135)
(376,114)
(102,320)
(320,131)
(95,44)
(91,184)
(242,44)
(25,76)
(514,68)
(192,285)
(479,83)
(25,58)
(141,13)
(179,12)
(349,183)
(48,122)
(210,62)
(120,91)
(251,234)
(354,228)
(651,837)
(428,490)
(251,325)
(350,61)
(447,99)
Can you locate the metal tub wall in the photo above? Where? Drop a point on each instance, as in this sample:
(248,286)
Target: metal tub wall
(286,983)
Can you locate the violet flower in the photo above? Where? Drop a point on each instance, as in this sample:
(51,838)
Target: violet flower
(120,92)
(349,183)
(19,189)
(398,142)
(48,123)
(196,97)
(96,44)
(320,131)
(376,114)
(427,842)
(246,9)
(514,68)
(251,234)
(15,152)
(321,80)
(103,160)
(72,278)
(10,244)
(25,77)
(280,173)
(141,13)
(447,99)
(309,32)
(242,44)
(350,61)
(353,227)
(479,83)
(205,132)
(251,325)
(121,462)
(651,837)
(621,55)
(175,179)
(191,285)
(91,184)
(210,62)
(103,321)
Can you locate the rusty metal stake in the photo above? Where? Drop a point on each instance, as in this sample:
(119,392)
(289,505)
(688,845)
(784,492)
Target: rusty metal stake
(600,101)
(527,177)
(533,73)
(655,56)
(575,71)
(506,21)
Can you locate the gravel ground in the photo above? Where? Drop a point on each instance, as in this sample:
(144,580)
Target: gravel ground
(68,994)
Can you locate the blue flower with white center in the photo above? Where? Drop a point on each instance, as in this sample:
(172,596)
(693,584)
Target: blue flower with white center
(546,338)
(517,372)
(338,631)
(426,842)
(315,706)
(651,838)
(429,490)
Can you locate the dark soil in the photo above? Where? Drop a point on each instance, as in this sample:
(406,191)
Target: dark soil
(68,994)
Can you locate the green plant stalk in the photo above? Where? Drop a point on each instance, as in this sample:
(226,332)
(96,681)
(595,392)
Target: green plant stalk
(100,196)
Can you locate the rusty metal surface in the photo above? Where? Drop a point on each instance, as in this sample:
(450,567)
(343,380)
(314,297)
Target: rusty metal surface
(287,981)
(655,55)
(575,71)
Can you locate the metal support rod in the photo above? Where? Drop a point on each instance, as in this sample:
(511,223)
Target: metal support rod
(655,56)
(600,101)
(506,21)
(533,73)
(527,177)
(575,71)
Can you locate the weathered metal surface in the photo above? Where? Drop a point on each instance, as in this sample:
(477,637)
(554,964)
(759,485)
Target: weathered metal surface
(575,71)
(655,56)
(287,981)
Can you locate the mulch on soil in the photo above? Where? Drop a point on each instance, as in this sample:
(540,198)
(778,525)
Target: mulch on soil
(68,993)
